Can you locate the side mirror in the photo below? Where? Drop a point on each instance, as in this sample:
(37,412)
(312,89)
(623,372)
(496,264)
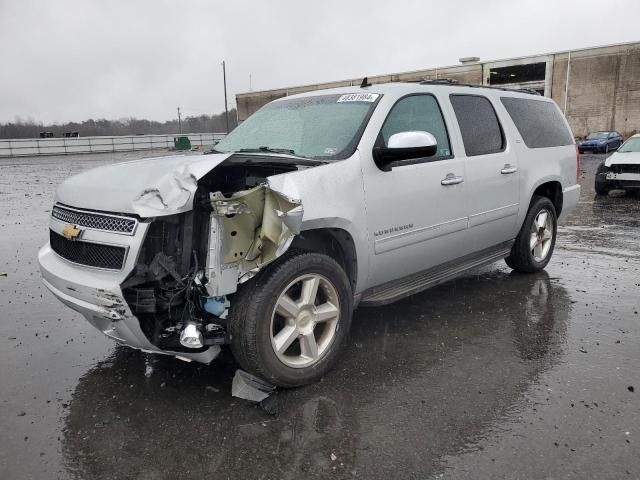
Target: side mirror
(405,146)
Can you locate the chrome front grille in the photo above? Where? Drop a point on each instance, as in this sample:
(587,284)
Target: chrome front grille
(96,221)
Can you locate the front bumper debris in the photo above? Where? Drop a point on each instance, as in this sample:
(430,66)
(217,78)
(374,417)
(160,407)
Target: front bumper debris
(96,294)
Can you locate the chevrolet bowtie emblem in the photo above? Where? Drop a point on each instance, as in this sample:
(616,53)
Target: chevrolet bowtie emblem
(71,232)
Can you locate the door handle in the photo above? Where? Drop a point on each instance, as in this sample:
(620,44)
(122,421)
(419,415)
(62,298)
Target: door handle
(507,169)
(451,179)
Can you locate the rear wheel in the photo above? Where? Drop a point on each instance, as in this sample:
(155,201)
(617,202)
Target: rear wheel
(288,324)
(534,244)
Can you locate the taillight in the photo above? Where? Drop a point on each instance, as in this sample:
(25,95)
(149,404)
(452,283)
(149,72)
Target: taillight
(577,165)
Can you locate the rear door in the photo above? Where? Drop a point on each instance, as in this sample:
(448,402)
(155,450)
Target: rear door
(491,172)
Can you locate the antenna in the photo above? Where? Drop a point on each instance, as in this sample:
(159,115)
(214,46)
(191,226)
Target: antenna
(365,83)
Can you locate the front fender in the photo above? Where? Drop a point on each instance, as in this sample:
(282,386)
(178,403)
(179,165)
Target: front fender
(333,197)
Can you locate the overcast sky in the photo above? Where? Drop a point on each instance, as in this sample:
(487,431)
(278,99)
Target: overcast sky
(72,60)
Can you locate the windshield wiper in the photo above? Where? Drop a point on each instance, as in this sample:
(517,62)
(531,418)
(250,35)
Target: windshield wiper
(267,150)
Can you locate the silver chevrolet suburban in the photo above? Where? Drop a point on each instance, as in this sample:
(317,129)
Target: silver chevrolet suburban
(316,204)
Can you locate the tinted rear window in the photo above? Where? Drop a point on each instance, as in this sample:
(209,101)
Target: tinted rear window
(540,123)
(481,131)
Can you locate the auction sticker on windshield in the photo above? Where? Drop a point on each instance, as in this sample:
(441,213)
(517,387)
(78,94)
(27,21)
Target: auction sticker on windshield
(358,97)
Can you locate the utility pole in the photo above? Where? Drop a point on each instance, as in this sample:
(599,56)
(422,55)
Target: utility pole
(250,89)
(179,120)
(226,110)
(566,84)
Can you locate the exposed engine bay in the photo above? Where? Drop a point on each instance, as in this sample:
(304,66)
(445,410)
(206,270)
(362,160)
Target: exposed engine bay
(190,264)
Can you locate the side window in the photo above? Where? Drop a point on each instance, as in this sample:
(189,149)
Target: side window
(418,113)
(539,122)
(479,125)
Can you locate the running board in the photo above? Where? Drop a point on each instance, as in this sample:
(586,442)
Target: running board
(403,287)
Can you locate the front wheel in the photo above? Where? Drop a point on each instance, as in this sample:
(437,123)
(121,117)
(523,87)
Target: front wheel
(289,323)
(534,244)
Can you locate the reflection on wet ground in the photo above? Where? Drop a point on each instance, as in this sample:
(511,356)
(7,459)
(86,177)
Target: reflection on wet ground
(392,396)
(495,375)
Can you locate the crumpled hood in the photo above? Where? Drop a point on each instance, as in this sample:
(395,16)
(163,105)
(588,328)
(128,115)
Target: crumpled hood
(628,158)
(149,187)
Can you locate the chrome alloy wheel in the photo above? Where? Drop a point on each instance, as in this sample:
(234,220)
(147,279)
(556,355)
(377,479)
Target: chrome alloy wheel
(541,235)
(304,321)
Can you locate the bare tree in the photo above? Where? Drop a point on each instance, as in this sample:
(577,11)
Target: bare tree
(125,126)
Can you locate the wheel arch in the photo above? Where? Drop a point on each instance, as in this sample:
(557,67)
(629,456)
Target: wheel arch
(336,243)
(550,188)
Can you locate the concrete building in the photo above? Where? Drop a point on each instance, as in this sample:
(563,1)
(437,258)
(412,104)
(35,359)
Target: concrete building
(597,88)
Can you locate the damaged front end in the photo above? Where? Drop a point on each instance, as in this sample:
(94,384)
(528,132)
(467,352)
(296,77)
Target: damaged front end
(190,263)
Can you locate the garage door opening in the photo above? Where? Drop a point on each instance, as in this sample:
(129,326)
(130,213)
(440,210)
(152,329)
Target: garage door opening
(532,72)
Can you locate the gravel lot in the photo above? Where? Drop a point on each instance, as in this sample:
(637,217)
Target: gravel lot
(495,375)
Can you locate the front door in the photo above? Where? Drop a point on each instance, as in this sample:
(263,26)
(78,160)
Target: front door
(416,212)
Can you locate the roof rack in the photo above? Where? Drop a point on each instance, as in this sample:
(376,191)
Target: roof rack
(524,90)
(440,81)
(450,81)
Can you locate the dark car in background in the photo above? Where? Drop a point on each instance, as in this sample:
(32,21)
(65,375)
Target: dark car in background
(601,142)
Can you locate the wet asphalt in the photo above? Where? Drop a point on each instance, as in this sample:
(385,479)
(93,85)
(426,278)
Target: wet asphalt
(494,375)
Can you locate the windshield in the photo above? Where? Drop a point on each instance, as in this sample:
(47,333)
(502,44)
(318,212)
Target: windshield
(325,127)
(598,136)
(631,145)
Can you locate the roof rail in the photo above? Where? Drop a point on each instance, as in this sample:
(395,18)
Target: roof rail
(524,90)
(440,81)
(452,82)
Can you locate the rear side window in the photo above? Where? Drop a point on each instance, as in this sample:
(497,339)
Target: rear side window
(540,123)
(479,125)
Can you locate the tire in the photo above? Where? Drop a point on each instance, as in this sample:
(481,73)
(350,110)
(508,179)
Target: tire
(259,312)
(601,185)
(524,257)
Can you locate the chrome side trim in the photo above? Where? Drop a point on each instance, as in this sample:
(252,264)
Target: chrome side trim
(487,216)
(417,235)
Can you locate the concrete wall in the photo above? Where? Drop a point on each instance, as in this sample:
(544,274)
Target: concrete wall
(604,86)
(604,89)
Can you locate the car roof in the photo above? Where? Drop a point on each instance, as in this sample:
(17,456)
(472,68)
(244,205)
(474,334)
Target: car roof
(404,88)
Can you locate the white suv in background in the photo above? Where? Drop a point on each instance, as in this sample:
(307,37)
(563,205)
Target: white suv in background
(316,204)
(622,169)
